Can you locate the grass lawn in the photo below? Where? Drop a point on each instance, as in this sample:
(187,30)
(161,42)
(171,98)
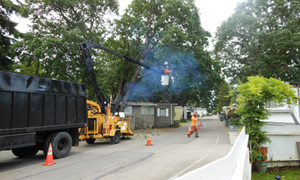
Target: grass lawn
(285,173)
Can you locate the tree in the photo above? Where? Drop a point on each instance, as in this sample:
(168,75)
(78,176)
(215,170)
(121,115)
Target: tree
(261,38)
(58,28)
(160,32)
(252,99)
(9,32)
(223,97)
(117,72)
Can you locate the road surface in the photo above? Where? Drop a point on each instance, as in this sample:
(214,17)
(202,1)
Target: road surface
(171,155)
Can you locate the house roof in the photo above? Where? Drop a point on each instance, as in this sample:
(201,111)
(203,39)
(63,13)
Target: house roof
(141,104)
(167,104)
(149,104)
(198,108)
(191,108)
(185,107)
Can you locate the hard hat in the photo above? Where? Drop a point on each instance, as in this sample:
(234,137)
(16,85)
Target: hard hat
(116,114)
(194,114)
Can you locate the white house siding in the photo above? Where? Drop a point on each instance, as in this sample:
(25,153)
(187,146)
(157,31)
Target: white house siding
(284,131)
(282,150)
(200,112)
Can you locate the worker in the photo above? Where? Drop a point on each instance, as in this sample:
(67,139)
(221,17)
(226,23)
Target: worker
(167,70)
(194,128)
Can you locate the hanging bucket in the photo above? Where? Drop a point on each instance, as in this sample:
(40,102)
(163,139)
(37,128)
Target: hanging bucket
(164,80)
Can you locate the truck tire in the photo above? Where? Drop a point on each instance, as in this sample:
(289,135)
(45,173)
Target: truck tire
(47,141)
(16,152)
(90,141)
(62,144)
(25,151)
(116,138)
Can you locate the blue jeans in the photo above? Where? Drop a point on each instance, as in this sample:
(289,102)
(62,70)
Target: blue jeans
(226,122)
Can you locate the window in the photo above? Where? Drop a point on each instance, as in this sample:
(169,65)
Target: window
(128,110)
(272,104)
(147,110)
(163,112)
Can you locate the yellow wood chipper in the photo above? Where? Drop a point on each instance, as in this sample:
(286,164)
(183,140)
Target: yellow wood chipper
(101,125)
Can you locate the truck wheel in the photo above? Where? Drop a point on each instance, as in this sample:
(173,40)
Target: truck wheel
(116,138)
(90,141)
(47,141)
(16,152)
(62,144)
(25,152)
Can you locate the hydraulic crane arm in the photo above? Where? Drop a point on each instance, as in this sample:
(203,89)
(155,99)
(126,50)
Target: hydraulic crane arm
(89,64)
(85,48)
(88,44)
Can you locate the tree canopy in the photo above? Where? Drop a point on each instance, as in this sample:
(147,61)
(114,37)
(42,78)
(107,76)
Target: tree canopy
(158,33)
(8,32)
(51,48)
(223,96)
(261,38)
(167,33)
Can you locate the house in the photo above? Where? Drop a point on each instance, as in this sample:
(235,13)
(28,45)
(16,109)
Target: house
(189,110)
(284,132)
(186,113)
(150,115)
(165,114)
(178,113)
(141,114)
(199,111)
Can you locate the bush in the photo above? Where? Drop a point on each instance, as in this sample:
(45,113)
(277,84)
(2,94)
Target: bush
(252,97)
(233,118)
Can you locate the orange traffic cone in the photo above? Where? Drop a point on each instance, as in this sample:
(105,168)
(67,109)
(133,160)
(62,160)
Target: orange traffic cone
(148,140)
(189,130)
(199,126)
(49,158)
(200,123)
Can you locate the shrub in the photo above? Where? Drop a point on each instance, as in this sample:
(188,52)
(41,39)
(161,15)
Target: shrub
(252,97)
(233,118)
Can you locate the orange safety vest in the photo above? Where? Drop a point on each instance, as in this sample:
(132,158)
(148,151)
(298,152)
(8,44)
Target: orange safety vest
(194,120)
(167,70)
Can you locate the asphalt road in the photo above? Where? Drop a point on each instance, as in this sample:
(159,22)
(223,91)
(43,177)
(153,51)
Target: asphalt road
(171,155)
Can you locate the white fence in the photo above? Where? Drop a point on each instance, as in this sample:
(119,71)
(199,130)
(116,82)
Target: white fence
(234,166)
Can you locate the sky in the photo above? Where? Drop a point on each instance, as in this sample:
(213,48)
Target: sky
(212,13)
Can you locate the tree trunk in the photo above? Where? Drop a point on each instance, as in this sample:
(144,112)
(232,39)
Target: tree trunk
(134,80)
(37,68)
(122,87)
(182,101)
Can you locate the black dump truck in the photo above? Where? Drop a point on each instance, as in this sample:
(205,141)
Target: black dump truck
(36,111)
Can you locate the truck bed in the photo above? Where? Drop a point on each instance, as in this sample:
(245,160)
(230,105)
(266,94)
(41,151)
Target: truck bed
(32,104)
